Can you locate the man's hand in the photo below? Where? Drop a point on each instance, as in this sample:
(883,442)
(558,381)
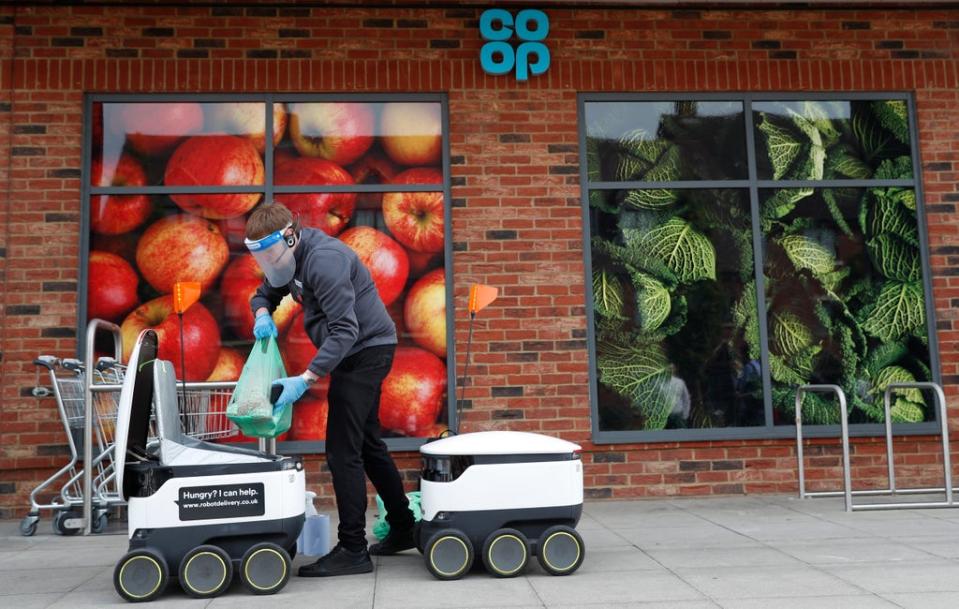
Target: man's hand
(263,326)
(293,389)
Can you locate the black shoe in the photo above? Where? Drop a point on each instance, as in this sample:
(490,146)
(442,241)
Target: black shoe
(395,541)
(340,561)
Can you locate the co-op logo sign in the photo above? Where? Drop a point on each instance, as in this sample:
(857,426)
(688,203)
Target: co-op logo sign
(530,56)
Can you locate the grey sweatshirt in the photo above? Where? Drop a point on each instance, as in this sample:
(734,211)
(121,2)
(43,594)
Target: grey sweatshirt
(342,310)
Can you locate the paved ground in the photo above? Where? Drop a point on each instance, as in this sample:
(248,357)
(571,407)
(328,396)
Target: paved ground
(736,553)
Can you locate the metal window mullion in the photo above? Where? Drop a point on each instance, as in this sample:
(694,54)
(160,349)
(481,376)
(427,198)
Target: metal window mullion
(85,229)
(591,345)
(758,263)
(933,337)
(268,150)
(161,190)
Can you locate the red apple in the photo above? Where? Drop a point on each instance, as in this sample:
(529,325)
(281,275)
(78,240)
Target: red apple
(421,262)
(425,312)
(296,347)
(336,131)
(309,419)
(329,212)
(155,128)
(416,218)
(283,155)
(246,119)
(181,247)
(112,287)
(117,214)
(215,160)
(201,335)
(383,257)
(229,365)
(373,168)
(412,133)
(240,281)
(412,393)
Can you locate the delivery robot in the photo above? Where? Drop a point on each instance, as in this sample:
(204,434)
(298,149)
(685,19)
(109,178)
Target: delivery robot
(198,511)
(509,495)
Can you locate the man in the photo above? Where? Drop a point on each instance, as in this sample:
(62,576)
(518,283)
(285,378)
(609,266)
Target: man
(356,339)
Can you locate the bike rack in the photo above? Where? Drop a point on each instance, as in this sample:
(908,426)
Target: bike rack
(844,424)
(847,491)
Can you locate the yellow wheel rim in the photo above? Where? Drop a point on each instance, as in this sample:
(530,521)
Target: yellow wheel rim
(546,554)
(186,572)
(246,569)
(489,554)
(466,553)
(159,576)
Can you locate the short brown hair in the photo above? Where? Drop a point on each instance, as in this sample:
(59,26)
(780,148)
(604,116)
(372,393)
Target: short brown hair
(267,218)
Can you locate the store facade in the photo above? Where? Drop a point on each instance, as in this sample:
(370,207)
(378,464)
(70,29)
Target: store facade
(688,212)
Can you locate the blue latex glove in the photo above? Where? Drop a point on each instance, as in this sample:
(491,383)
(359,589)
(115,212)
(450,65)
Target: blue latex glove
(293,389)
(263,327)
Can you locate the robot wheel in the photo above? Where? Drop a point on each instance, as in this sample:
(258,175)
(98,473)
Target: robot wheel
(506,553)
(265,568)
(141,575)
(206,571)
(448,554)
(560,550)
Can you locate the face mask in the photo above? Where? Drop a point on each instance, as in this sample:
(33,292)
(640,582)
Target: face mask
(274,254)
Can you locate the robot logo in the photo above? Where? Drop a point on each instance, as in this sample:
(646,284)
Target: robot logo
(498,56)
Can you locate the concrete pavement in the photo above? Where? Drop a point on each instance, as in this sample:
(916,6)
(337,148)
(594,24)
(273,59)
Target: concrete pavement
(757,552)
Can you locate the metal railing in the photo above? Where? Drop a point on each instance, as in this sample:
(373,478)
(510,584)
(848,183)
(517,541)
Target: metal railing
(847,492)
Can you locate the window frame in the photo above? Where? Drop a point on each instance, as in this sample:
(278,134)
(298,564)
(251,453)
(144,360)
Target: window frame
(753,184)
(268,188)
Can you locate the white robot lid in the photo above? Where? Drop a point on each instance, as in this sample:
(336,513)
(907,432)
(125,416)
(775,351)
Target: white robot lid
(499,443)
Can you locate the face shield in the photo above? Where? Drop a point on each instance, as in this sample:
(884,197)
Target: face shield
(274,254)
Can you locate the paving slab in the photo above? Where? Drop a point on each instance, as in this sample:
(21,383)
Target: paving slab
(731,552)
(925,600)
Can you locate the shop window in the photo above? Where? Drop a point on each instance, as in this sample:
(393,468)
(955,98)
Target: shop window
(698,210)
(171,181)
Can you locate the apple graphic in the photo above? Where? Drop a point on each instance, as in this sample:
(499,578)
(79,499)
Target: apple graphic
(309,419)
(425,312)
(298,351)
(330,212)
(112,287)
(412,393)
(234,231)
(383,257)
(117,214)
(229,365)
(283,155)
(123,245)
(201,335)
(422,262)
(373,168)
(154,128)
(215,160)
(181,247)
(412,132)
(240,281)
(396,314)
(336,131)
(246,119)
(416,218)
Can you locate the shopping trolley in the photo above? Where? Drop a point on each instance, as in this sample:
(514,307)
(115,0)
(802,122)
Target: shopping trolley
(79,391)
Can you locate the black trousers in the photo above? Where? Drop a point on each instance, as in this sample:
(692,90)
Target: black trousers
(354,446)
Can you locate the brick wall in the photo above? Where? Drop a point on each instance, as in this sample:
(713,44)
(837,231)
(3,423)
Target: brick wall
(516,198)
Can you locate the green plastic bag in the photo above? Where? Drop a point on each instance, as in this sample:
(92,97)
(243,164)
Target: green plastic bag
(250,406)
(381,528)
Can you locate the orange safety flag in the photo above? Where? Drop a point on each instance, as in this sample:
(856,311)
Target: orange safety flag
(481,296)
(185,293)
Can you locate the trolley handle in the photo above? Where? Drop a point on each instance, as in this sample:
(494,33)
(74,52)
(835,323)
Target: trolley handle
(106,363)
(72,364)
(46,361)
